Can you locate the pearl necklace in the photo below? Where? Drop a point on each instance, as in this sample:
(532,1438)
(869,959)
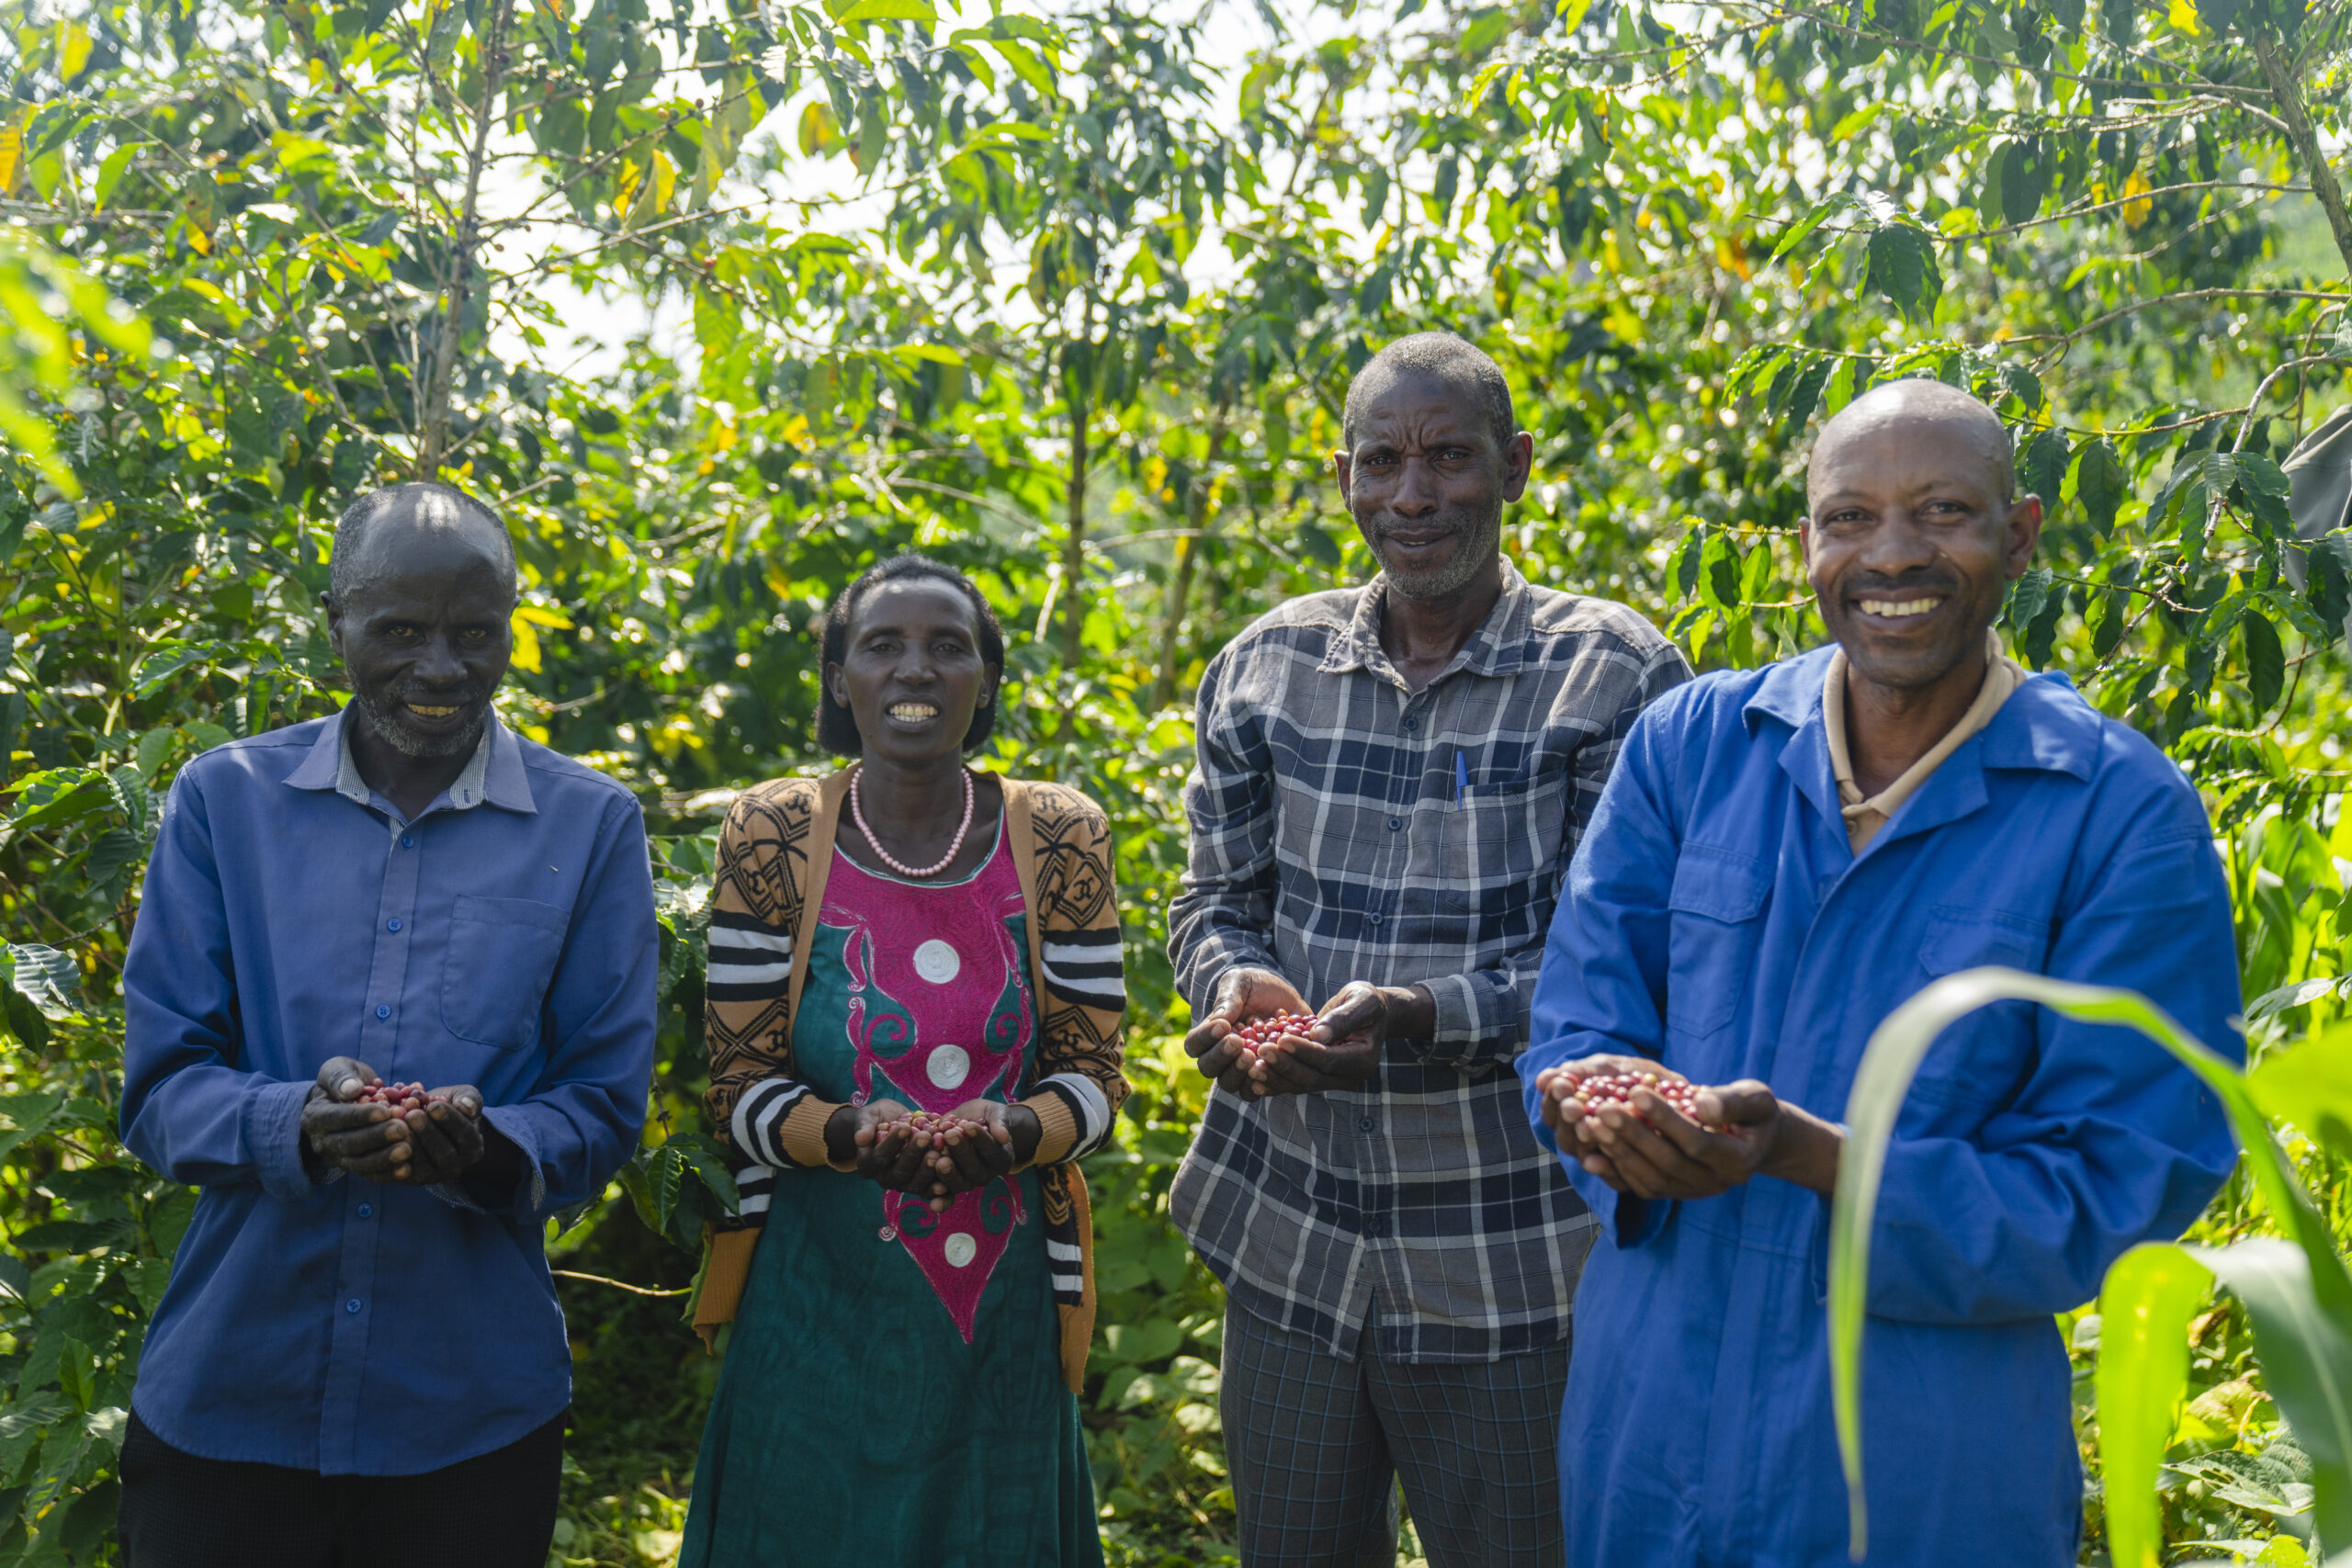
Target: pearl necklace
(857,813)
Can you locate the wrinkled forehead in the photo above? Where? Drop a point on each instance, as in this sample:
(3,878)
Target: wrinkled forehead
(1418,403)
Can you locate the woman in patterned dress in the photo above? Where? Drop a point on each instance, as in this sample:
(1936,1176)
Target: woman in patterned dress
(910,1323)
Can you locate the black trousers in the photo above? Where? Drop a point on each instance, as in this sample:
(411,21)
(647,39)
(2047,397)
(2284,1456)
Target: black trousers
(495,1511)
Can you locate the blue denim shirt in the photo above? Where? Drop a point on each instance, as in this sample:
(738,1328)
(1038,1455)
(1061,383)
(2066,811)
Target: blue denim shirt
(505,938)
(1716,918)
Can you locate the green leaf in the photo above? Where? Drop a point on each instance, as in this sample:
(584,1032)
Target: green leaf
(2045,466)
(1821,213)
(1318,543)
(2143,1309)
(2266,660)
(46,977)
(1903,267)
(2306,1353)
(2099,483)
(2026,599)
(1883,1078)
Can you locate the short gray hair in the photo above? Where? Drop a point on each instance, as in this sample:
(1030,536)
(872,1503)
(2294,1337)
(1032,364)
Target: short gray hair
(1434,356)
(362,515)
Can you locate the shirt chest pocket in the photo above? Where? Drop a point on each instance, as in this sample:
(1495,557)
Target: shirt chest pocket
(1499,840)
(1716,910)
(502,955)
(1980,1061)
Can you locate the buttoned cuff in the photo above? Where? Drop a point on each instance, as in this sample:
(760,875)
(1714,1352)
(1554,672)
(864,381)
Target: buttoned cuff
(1462,1025)
(530,1189)
(271,1123)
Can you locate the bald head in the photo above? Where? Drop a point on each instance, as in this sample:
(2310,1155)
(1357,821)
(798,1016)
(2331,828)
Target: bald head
(1441,359)
(382,527)
(1960,428)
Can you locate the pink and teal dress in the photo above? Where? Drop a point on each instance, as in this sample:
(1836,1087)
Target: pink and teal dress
(893,1392)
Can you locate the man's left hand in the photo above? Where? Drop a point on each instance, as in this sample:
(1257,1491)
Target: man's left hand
(1342,1050)
(446,1136)
(1661,1154)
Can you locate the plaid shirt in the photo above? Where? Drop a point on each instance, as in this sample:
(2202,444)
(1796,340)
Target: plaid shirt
(1332,840)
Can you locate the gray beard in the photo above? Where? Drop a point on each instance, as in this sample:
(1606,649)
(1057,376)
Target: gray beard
(423,748)
(1468,559)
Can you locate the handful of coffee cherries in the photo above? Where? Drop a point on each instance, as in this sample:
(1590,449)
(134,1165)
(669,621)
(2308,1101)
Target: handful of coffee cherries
(1618,1089)
(1260,1032)
(927,1129)
(403,1098)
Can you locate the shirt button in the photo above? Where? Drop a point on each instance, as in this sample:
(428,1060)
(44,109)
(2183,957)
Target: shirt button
(393,924)
(1394,823)
(1367,1123)
(367,1210)
(408,841)
(351,1306)
(1378,919)
(1411,725)
(383,1011)
(1375,1226)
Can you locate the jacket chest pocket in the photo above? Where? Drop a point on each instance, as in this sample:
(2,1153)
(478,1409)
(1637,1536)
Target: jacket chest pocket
(502,955)
(1500,842)
(1980,1062)
(1716,911)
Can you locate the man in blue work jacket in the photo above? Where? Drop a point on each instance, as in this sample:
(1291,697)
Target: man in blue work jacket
(1781,857)
(404,891)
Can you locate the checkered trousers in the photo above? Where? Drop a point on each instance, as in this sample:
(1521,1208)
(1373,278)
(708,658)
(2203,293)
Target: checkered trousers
(1345,828)
(1317,1446)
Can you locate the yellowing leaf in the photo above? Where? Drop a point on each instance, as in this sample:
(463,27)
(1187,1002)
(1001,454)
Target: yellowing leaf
(820,131)
(1732,256)
(72,48)
(2182,14)
(526,645)
(539,616)
(2136,212)
(12,153)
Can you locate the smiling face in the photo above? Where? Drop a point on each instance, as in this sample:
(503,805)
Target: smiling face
(1912,535)
(423,631)
(1427,482)
(911,672)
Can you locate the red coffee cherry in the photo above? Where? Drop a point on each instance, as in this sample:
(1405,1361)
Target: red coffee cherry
(403,1098)
(1262,1032)
(1617,1089)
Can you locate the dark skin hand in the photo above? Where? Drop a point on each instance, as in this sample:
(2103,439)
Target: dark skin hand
(1653,1151)
(439,1142)
(1342,1051)
(859,1135)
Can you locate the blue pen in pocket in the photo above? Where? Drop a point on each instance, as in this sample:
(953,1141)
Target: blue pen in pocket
(1460,781)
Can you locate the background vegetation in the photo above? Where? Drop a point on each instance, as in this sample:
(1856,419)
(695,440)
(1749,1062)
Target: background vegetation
(1069,295)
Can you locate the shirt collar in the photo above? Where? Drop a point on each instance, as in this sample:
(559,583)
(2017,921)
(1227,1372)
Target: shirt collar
(1498,647)
(2044,725)
(494,773)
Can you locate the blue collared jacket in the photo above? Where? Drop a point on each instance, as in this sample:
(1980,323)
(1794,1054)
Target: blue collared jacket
(1716,918)
(505,938)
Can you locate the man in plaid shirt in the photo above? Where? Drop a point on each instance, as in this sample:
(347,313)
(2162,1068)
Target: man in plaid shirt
(1391,780)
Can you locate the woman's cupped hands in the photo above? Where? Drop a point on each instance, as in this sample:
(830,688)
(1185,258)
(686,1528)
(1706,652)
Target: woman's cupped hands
(936,1155)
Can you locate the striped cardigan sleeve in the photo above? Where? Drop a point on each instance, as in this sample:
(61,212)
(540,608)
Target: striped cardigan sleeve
(772,1121)
(1081,1020)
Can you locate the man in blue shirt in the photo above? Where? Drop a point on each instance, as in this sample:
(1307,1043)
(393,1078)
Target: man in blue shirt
(1781,856)
(405,891)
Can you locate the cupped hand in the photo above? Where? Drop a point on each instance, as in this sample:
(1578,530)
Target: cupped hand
(1649,1149)
(444,1136)
(863,1136)
(1340,1050)
(341,1131)
(1242,995)
(1566,1116)
(985,1139)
